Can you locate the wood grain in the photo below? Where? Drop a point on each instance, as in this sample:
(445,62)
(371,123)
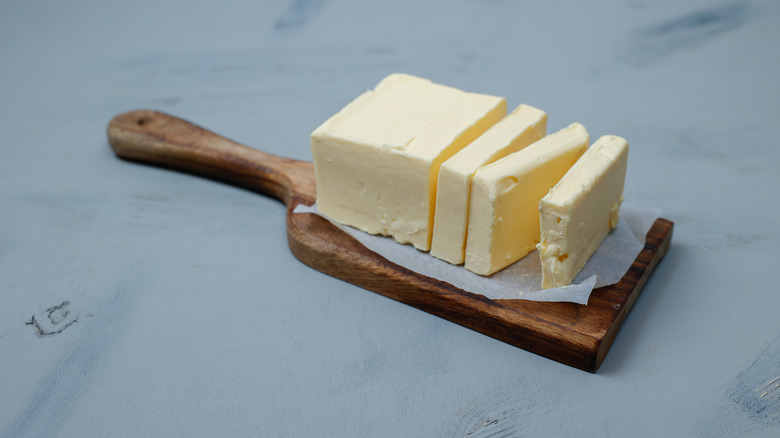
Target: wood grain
(570,333)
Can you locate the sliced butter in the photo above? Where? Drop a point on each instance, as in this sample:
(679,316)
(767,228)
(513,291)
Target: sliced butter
(504,208)
(522,127)
(376,162)
(581,210)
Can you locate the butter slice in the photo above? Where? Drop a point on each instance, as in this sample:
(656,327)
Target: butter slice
(504,207)
(376,162)
(581,210)
(522,127)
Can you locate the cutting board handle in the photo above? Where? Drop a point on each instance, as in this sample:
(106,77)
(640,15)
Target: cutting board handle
(155,138)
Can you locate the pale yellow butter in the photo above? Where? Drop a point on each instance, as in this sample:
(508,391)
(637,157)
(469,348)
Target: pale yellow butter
(504,207)
(520,128)
(581,210)
(376,162)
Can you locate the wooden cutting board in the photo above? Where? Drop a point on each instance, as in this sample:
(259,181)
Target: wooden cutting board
(570,333)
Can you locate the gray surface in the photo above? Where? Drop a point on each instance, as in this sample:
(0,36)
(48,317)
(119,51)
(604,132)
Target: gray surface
(193,318)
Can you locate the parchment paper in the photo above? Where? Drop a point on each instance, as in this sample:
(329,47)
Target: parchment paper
(522,280)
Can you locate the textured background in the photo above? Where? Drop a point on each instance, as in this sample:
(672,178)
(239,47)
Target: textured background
(136,301)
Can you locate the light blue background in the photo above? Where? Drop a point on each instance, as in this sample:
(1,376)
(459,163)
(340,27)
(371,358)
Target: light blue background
(191,316)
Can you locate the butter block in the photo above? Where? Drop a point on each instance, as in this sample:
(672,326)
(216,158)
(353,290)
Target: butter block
(504,208)
(581,210)
(519,129)
(376,162)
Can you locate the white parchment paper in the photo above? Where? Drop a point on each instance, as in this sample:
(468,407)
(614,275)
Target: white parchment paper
(522,280)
